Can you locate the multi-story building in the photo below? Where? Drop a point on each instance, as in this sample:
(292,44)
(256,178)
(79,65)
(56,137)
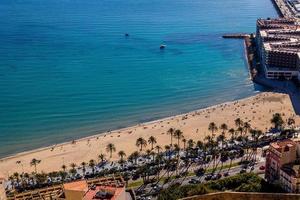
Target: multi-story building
(290,178)
(283,164)
(278,42)
(279,154)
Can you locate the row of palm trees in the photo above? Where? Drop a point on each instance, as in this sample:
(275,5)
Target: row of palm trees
(215,150)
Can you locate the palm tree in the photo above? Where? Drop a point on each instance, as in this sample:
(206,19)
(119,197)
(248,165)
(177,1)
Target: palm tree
(141,142)
(212,127)
(158,149)
(18,162)
(247,127)
(92,164)
(224,128)
(171,133)
(110,148)
(34,162)
(200,144)
(152,141)
(134,156)
(178,135)
(168,148)
(221,138)
(190,143)
(64,167)
(232,132)
(238,122)
(83,164)
(152,153)
(122,154)
(16,176)
(240,129)
(101,157)
(184,143)
(148,152)
(231,156)
(277,120)
(73,170)
(73,165)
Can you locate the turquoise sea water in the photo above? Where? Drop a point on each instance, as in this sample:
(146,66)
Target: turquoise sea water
(67,71)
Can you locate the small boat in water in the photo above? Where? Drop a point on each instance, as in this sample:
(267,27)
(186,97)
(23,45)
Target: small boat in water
(126,35)
(162,46)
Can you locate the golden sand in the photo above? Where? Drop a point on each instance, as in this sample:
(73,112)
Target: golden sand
(257,110)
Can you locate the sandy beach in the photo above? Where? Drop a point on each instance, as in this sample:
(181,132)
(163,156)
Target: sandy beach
(257,110)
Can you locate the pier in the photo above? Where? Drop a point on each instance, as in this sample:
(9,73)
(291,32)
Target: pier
(283,9)
(236,36)
(249,50)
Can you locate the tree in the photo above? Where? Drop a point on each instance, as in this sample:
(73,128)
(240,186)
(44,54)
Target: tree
(190,143)
(246,127)
(152,141)
(212,127)
(231,156)
(171,133)
(158,149)
(134,156)
(178,135)
(224,128)
(110,148)
(64,167)
(122,154)
(200,144)
(232,132)
(92,165)
(141,142)
(83,164)
(184,143)
(34,162)
(101,157)
(238,122)
(221,138)
(168,148)
(73,171)
(277,121)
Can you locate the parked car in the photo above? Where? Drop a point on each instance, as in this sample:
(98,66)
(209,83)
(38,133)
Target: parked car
(226,174)
(194,181)
(262,167)
(208,177)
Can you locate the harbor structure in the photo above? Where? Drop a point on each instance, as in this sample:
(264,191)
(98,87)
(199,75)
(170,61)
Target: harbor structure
(278,45)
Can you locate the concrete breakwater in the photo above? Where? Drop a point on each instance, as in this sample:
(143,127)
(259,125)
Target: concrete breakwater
(236,36)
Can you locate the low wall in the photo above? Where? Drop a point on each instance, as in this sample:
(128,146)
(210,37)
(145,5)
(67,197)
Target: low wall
(244,196)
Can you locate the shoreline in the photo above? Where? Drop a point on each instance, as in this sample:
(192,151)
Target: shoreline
(121,129)
(257,110)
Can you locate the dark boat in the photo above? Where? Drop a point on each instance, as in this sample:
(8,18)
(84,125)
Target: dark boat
(162,46)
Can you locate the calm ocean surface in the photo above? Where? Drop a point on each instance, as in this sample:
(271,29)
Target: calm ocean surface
(67,71)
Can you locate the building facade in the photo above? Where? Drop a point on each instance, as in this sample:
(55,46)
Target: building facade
(279,154)
(283,165)
(278,45)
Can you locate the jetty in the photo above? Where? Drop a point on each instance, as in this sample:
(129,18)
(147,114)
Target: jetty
(236,36)
(249,43)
